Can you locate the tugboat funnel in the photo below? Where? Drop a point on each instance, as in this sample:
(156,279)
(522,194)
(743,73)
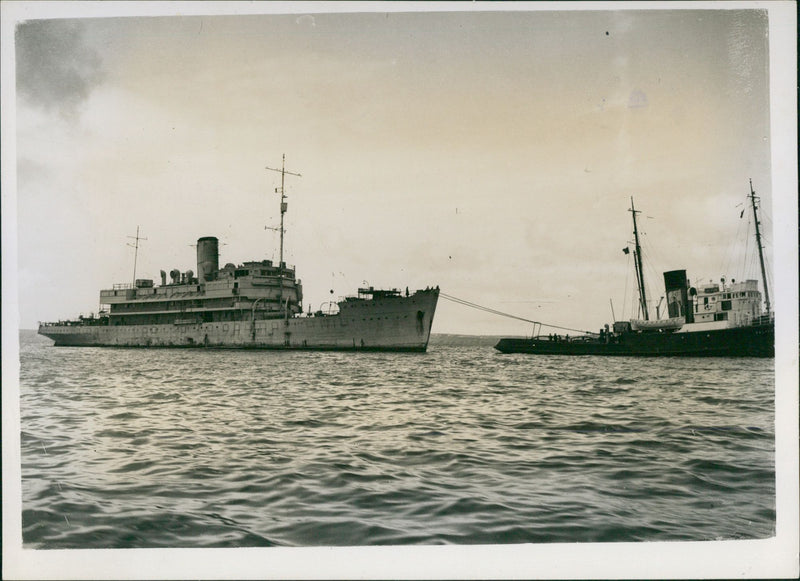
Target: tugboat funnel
(678,304)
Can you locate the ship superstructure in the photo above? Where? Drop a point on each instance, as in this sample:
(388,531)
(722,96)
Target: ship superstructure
(255,304)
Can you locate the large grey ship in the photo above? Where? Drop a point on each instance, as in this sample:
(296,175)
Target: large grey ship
(256,304)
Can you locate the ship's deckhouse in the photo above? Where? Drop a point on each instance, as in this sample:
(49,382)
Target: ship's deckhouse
(738,303)
(252,291)
(707,307)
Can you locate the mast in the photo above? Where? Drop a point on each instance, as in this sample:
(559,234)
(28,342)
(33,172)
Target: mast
(638,264)
(284,207)
(753,198)
(136,253)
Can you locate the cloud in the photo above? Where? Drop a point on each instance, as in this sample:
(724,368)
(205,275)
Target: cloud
(56,69)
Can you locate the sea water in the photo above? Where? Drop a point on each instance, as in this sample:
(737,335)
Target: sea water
(460,445)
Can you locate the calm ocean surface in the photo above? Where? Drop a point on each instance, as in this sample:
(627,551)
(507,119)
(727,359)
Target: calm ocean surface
(195,448)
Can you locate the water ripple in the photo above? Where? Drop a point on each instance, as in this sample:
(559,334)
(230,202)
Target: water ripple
(135,448)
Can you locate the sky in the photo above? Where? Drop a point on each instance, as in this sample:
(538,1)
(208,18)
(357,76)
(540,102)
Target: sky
(493,154)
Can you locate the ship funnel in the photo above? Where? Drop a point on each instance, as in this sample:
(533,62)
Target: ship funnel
(207,258)
(678,303)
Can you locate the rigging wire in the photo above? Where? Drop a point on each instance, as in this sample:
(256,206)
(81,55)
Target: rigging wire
(627,284)
(648,250)
(656,257)
(734,245)
(766,241)
(748,260)
(502,314)
(651,256)
(768,269)
(767,222)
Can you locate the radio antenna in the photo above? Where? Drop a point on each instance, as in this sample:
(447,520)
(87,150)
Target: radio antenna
(135,246)
(284,207)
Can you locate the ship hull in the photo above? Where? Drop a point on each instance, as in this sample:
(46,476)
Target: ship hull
(754,341)
(384,324)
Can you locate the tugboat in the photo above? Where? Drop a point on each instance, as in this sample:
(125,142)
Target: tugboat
(711,320)
(256,305)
